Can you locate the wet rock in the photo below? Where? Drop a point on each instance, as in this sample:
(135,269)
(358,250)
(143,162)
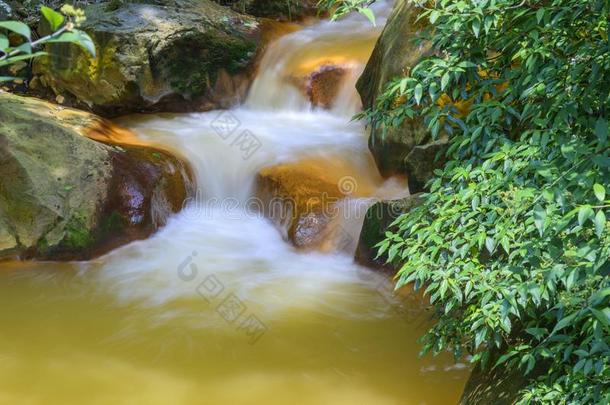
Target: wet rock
(300,197)
(324,84)
(376,222)
(421,162)
(180,55)
(66,196)
(394,54)
(281,10)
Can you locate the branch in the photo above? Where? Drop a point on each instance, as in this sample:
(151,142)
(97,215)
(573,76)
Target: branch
(37,42)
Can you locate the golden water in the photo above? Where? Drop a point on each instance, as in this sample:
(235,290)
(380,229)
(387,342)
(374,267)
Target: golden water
(152,322)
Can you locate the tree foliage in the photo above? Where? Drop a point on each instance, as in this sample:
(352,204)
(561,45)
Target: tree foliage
(17,43)
(511,242)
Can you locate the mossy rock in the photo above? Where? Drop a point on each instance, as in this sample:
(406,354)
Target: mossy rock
(64,195)
(281,10)
(152,56)
(376,222)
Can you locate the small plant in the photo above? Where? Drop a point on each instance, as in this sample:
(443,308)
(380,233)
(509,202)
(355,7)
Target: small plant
(340,8)
(16,43)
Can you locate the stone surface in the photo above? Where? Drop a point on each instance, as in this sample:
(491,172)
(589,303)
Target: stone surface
(300,197)
(324,84)
(378,217)
(392,57)
(282,10)
(166,55)
(421,162)
(498,386)
(64,195)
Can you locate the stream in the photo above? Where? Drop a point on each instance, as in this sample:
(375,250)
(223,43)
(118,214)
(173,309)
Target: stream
(217,307)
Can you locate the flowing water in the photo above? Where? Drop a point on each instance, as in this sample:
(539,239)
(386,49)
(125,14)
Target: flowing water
(217,307)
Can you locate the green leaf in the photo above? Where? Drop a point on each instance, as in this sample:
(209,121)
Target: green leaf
(564,322)
(585,212)
(490,245)
(17,27)
(600,223)
(600,191)
(18,58)
(445,80)
(476,27)
(601,130)
(368,13)
(54,18)
(6,79)
(539,217)
(77,37)
(4,44)
(603,316)
(434,16)
(25,48)
(418,92)
(540,14)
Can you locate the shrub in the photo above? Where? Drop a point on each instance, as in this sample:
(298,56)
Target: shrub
(511,242)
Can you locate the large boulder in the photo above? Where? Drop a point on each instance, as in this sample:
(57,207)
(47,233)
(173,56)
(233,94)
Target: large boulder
(66,196)
(282,10)
(158,55)
(376,222)
(394,54)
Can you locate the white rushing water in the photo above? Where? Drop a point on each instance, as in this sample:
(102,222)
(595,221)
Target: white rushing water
(226,149)
(347,43)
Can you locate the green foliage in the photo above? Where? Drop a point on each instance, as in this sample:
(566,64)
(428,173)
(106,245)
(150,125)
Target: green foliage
(20,47)
(511,242)
(340,8)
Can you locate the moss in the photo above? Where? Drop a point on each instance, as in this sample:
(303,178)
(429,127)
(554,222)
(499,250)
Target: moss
(42,247)
(191,65)
(78,235)
(114,5)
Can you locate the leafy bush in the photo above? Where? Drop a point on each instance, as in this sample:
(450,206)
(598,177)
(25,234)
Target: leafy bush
(511,242)
(20,46)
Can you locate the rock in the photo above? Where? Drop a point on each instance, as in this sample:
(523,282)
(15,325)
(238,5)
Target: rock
(281,10)
(377,219)
(66,196)
(180,55)
(321,84)
(421,162)
(6,12)
(492,387)
(501,385)
(300,197)
(393,56)
(324,84)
